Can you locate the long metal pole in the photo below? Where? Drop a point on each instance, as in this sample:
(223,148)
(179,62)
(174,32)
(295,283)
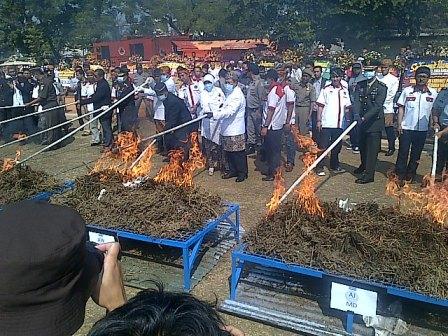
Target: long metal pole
(319,159)
(35,113)
(47,129)
(434,156)
(142,154)
(81,127)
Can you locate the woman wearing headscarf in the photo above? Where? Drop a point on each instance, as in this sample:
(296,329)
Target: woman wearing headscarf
(233,128)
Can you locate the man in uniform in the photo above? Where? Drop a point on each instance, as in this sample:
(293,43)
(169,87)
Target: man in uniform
(318,84)
(389,115)
(127,108)
(357,77)
(190,91)
(140,77)
(368,99)
(440,122)
(256,96)
(305,99)
(414,113)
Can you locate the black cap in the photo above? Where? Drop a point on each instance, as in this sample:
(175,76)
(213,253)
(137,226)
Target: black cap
(47,271)
(423,70)
(336,72)
(272,74)
(160,88)
(123,71)
(253,68)
(157,72)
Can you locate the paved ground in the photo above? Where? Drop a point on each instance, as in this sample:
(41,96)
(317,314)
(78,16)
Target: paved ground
(252,195)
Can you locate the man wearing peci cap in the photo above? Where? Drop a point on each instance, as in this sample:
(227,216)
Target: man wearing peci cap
(392,84)
(333,103)
(48,272)
(414,114)
(127,110)
(176,113)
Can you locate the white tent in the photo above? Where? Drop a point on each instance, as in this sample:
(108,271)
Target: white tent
(17,63)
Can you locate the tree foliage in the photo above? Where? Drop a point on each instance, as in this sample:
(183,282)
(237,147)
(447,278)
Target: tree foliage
(44,28)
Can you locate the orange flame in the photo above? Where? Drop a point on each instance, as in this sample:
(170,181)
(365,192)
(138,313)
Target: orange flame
(9,164)
(181,173)
(120,159)
(432,200)
(306,193)
(279,190)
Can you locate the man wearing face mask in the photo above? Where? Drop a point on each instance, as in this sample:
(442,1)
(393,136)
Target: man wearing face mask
(233,128)
(392,84)
(414,114)
(126,109)
(211,99)
(368,99)
(176,113)
(168,80)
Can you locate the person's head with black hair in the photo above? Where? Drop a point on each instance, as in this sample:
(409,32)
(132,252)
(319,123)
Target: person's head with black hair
(317,70)
(271,76)
(222,73)
(157,312)
(99,74)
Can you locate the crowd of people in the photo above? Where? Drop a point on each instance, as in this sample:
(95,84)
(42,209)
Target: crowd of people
(249,110)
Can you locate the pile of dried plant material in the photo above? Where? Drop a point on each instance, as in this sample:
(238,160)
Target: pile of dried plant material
(154,209)
(370,242)
(22,182)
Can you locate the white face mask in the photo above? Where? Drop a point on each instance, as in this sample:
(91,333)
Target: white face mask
(162,97)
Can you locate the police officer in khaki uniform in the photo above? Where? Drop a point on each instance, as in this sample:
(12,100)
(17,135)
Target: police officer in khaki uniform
(368,99)
(305,99)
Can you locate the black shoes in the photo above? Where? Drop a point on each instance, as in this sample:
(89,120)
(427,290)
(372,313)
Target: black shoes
(227,176)
(359,170)
(240,179)
(268,178)
(363,181)
(390,152)
(93,144)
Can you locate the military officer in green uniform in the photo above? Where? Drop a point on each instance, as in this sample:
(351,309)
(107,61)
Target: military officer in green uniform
(305,99)
(369,99)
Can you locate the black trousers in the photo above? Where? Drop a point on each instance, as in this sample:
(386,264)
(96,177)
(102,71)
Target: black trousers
(355,134)
(237,163)
(273,149)
(327,137)
(442,154)
(79,113)
(391,137)
(314,131)
(369,146)
(413,142)
(106,126)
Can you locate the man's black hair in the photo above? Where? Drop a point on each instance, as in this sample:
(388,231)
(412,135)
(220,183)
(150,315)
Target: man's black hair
(222,73)
(156,312)
(100,72)
(272,74)
(317,67)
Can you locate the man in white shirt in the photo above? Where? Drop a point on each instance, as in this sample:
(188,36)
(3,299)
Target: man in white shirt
(392,87)
(190,92)
(333,103)
(414,114)
(168,80)
(274,118)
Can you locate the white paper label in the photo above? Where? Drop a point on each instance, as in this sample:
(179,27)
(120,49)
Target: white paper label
(356,300)
(100,238)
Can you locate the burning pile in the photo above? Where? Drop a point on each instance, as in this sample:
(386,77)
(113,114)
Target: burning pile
(156,209)
(19,182)
(167,206)
(369,242)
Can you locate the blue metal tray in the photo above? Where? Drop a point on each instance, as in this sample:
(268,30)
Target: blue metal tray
(191,246)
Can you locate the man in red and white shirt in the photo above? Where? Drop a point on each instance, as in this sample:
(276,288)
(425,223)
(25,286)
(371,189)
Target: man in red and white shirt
(333,103)
(274,118)
(190,91)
